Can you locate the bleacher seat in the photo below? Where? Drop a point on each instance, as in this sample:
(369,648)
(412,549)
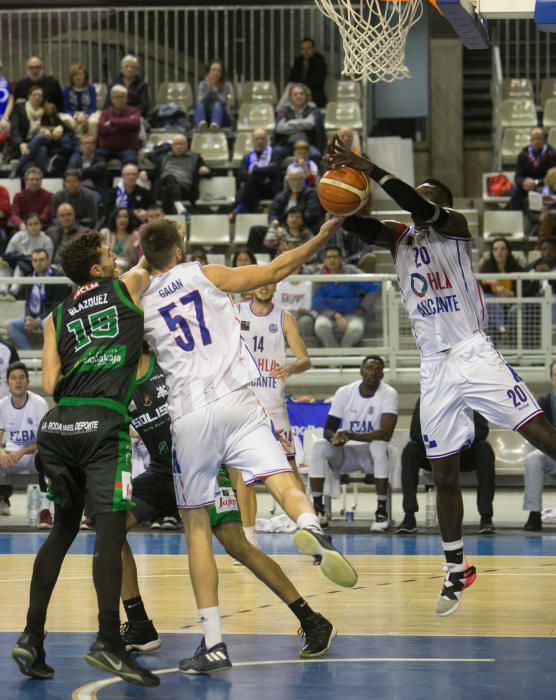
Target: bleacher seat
(339,90)
(102,91)
(342,114)
(213,147)
(160,136)
(256,115)
(549,115)
(52,184)
(548,89)
(12,184)
(217,192)
(551,138)
(243,224)
(491,199)
(508,224)
(242,145)
(180,93)
(209,229)
(513,140)
(518,112)
(517,87)
(259,91)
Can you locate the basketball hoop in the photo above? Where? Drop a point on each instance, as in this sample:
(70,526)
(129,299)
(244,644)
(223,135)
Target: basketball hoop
(374,33)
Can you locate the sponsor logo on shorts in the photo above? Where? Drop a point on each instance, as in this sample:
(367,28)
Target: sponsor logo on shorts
(80,426)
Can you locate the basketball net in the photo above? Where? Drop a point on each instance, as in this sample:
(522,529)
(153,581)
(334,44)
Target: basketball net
(374,33)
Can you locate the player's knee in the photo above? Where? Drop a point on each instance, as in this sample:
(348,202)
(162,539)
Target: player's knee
(445,475)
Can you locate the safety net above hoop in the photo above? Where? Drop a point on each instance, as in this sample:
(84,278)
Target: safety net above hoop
(374,34)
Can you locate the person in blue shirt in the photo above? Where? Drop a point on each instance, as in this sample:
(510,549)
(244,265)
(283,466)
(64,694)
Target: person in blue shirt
(6,106)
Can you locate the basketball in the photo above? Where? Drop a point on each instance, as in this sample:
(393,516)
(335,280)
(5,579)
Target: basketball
(342,191)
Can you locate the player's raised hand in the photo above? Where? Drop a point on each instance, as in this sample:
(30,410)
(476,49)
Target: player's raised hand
(337,154)
(331,225)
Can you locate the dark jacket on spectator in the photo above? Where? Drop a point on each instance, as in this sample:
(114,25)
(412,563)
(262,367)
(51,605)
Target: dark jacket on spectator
(545,402)
(123,130)
(60,238)
(316,137)
(307,201)
(94,171)
(314,76)
(26,203)
(52,90)
(138,198)
(342,297)
(137,94)
(83,202)
(185,169)
(535,168)
(19,126)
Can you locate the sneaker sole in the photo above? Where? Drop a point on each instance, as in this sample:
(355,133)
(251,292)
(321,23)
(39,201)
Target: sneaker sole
(406,531)
(457,605)
(25,660)
(148,646)
(131,677)
(193,672)
(379,527)
(332,637)
(333,565)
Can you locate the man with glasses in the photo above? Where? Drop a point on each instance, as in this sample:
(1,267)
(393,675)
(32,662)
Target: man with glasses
(36,76)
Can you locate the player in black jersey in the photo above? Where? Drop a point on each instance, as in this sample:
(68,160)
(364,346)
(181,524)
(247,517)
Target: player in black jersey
(153,494)
(92,344)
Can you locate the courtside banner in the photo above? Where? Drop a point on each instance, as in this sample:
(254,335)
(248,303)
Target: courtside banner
(303,416)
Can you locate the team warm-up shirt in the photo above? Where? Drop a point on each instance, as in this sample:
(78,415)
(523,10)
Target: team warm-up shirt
(292,296)
(20,425)
(264,336)
(443,299)
(193,329)
(360,414)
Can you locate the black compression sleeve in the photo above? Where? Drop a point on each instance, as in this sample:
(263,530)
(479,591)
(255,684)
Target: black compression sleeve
(331,426)
(368,230)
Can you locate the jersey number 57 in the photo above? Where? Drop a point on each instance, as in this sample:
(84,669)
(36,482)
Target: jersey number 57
(178,325)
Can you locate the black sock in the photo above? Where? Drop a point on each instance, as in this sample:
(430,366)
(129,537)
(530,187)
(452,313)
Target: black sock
(135,610)
(454,556)
(109,625)
(301,609)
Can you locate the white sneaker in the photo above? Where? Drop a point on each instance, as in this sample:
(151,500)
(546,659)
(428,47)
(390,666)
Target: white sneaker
(323,520)
(380,523)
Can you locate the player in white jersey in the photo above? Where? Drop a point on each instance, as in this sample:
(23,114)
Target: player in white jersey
(367,412)
(266,329)
(20,415)
(193,329)
(460,369)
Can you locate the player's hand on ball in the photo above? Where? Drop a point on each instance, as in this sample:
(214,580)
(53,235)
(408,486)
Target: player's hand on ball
(337,154)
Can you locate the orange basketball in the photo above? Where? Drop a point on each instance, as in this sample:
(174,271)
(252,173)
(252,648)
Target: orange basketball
(342,191)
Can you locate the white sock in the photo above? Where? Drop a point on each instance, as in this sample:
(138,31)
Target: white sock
(308,520)
(45,503)
(251,536)
(212,629)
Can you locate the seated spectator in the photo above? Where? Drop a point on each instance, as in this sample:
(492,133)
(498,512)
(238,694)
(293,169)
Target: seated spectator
(301,160)
(299,121)
(297,298)
(38,134)
(340,321)
(258,176)
(6,107)
(213,95)
(37,78)
(82,200)
(177,177)
(243,256)
(64,230)
(537,463)
(348,139)
(19,251)
(130,195)
(32,200)
(199,254)
(5,213)
(80,98)
(295,194)
(120,237)
(293,227)
(309,68)
(92,165)
(137,88)
(545,263)
(118,128)
(361,421)
(40,300)
(479,457)
(532,164)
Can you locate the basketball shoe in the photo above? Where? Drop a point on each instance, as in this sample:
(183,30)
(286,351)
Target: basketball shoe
(380,523)
(206,660)
(28,653)
(318,634)
(333,565)
(458,578)
(113,658)
(140,635)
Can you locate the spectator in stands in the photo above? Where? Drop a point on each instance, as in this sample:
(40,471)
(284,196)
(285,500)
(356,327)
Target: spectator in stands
(36,77)
(213,97)
(120,237)
(500,259)
(177,178)
(258,176)
(309,68)
(293,227)
(537,464)
(92,165)
(80,98)
(295,194)
(532,164)
(64,230)
(479,457)
(199,254)
(6,107)
(348,138)
(545,263)
(299,121)
(130,195)
(301,160)
(82,200)
(5,214)
(137,89)
(33,199)
(340,321)
(38,134)
(40,300)
(19,251)
(243,256)
(118,128)
(361,421)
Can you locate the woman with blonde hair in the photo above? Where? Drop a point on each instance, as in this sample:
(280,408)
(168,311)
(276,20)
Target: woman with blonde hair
(80,98)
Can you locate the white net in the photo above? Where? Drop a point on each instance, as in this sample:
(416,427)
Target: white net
(374,33)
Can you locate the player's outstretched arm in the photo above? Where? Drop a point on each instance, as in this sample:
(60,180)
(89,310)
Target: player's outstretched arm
(243,279)
(51,363)
(297,345)
(137,279)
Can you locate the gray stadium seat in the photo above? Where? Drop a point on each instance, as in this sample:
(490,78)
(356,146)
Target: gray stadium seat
(549,115)
(180,93)
(256,115)
(340,114)
(339,90)
(209,229)
(517,87)
(259,91)
(217,192)
(13,185)
(548,89)
(518,112)
(213,147)
(513,140)
(244,222)
(551,138)
(508,224)
(242,145)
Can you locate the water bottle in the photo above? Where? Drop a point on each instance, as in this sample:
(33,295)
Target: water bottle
(430,508)
(33,504)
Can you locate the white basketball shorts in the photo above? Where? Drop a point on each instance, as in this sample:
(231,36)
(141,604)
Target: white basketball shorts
(232,430)
(470,376)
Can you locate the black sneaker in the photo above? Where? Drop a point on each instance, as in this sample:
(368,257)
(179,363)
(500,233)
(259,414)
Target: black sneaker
(114,659)
(333,565)
(455,582)
(534,522)
(170,523)
(408,526)
(206,660)
(28,653)
(486,526)
(140,635)
(318,636)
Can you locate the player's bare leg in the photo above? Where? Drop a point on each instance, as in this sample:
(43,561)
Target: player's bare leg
(247,502)
(449,507)
(541,434)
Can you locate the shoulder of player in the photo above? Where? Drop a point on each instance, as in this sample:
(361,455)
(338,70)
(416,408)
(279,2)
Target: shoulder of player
(387,388)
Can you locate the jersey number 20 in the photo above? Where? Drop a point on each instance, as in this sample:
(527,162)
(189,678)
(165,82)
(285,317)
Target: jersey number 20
(177,322)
